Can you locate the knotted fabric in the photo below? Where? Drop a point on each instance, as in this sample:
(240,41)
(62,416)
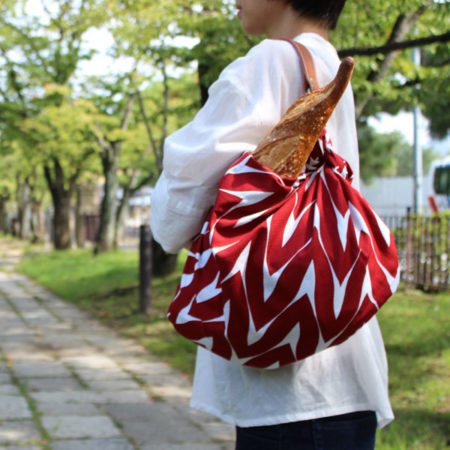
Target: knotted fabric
(285,267)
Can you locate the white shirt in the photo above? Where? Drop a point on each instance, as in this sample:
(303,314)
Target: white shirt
(244,104)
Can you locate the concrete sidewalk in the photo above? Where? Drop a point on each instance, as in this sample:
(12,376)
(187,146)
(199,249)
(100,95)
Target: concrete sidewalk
(69,383)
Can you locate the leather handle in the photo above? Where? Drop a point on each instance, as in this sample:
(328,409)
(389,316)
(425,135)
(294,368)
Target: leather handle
(307,64)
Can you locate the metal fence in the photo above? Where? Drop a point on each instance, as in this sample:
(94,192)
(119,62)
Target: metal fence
(423,244)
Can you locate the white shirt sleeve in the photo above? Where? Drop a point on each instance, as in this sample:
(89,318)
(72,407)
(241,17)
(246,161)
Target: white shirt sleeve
(244,104)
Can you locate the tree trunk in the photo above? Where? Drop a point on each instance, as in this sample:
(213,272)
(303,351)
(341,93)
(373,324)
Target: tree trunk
(128,190)
(203,85)
(80,235)
(24,210)
(162,263)
(110,162)
(3,214)
(37,223)
(61,220)
(120,214)
(108,209)
(61,197)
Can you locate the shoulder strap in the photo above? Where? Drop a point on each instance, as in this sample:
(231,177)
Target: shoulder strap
(307,64)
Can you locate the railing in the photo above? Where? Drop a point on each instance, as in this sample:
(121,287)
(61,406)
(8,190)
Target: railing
(423,244)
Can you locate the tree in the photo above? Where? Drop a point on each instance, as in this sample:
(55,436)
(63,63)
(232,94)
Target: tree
(135,172)
(388,154)
(377,152)
(7,189)
(171,75)
(160,108)
(62,137)
(435,89)
(38,52)
(150,28)
(220,39)
(22,185)
(111,145)
(405,160)
(143,33)
(385,77)
(30,192)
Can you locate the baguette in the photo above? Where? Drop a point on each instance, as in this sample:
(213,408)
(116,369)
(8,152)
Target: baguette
(287,147)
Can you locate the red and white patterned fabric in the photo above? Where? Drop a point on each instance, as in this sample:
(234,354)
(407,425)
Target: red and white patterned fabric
(284,267)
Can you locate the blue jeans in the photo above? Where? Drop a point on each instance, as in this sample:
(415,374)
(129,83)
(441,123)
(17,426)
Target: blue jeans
(354,431)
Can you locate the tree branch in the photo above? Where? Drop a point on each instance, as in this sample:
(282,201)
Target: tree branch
(394,46)
(439,64)
(50,182)
(128,110)
(149,132)
(147,180)
(12,78)
(166,100)
(402,26)
(79,167)
(59,173)
(30,41)
(104,144)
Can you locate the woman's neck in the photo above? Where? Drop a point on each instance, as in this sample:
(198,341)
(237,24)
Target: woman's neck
(288,26)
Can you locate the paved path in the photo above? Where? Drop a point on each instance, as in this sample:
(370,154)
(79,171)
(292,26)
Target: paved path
(69,383)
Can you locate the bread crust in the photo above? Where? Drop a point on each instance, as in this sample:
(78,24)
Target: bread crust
(287,147)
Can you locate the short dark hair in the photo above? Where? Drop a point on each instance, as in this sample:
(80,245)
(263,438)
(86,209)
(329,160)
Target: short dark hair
(327,11)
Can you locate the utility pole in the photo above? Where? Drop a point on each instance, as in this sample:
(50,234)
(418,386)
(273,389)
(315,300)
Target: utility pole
(418,169)
(145,269)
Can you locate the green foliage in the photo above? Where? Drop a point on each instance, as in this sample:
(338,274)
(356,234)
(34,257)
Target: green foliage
(149,31)
(220,39)
(378,152)
(176,49)
(7,180)
(405,160)
(40,50)
(182,104)
(388,154)
(19,168)
(61,131)
(39,56)
(435,90)
(366,24)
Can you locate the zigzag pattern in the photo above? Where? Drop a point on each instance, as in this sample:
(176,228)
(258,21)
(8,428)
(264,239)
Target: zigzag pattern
(285,267)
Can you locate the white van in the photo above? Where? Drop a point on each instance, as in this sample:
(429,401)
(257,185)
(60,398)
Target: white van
(440,184)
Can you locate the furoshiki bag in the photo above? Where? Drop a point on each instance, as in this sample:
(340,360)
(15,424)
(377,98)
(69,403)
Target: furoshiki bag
(284,267)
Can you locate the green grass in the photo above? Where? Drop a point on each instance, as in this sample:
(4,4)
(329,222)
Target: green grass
(416,334)
(414,325)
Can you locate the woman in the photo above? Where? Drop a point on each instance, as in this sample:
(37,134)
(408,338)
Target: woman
(336,398)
